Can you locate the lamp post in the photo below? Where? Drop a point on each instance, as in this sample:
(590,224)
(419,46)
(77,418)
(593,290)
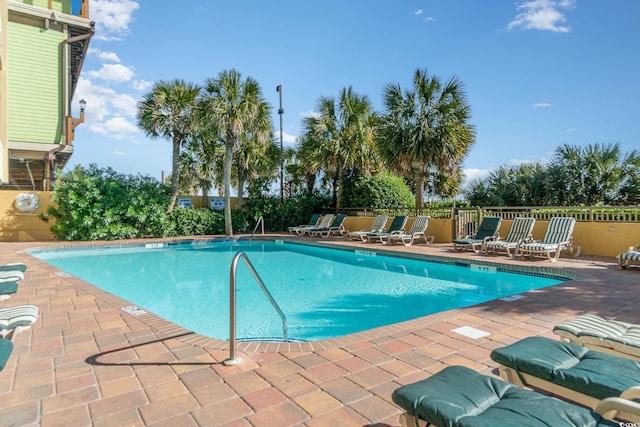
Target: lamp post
(72,123)
(280,113)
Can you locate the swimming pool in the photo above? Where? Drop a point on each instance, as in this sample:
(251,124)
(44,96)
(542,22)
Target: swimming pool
(323,292)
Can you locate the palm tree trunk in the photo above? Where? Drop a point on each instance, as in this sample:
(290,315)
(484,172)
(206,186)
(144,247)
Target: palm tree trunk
(175,174)
(240,191)
(228,159)
(419,191)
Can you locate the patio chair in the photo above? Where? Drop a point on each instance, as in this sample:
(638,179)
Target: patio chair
(626,258)
(12,272)
(378,225)
(313,221)
(17,319)
(568,371)
(608,336)
(418,230)
(520,232)
(557,238)
(325,222)
(336,228)
(488,230)
(396,226)
(459,396)
(7,289)
(6,347)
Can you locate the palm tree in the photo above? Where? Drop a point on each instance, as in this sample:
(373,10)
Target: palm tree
(339,136)
(425,132)
(238,112)
(167,112)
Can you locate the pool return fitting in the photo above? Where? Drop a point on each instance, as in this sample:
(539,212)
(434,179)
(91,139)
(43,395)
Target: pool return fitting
(233,360)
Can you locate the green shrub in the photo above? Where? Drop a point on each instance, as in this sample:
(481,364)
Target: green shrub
(383,191)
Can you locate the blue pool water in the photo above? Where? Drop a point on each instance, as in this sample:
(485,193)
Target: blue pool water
(323,292)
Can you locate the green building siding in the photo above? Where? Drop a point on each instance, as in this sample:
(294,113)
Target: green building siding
(34,84)
(63,6)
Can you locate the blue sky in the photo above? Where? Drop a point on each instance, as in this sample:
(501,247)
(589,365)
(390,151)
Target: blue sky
(537,73)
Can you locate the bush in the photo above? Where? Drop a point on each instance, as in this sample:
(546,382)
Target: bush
(101,204)
(383,191)
(292,211)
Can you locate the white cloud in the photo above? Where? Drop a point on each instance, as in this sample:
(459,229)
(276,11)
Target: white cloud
(103,55)
(418,12)
(544,15)
(471,174)
(113,72)
(112,17)
(141,85)
(119,153)
(541,105)
(571,130)
(116,127)
(430,19)
(306,114)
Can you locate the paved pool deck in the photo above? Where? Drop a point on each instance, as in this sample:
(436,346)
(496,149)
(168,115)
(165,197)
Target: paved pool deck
(86,362)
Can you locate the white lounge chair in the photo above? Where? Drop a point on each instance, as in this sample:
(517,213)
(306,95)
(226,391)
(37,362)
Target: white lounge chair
(325,222)
(557,238)
(519,233)
(17,319)
(626,258)
(378,225)
(418,230)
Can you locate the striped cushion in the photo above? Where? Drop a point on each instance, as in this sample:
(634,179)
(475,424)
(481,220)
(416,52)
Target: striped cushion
(500,244)
(24,315)
(521,229)
(560,229)
(630,256)
(540,246)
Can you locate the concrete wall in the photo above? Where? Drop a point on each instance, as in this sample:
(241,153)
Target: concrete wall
(23,226)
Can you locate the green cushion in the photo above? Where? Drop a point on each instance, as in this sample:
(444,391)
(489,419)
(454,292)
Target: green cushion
(8,288)
(571,366)
(6,347)
(459,396)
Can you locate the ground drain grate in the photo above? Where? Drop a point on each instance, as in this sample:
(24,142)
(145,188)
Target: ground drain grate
(133,310)
(470,332)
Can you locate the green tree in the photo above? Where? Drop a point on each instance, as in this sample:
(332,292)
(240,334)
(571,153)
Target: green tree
(235,110)
(340,136)
(167,112)
(425,133)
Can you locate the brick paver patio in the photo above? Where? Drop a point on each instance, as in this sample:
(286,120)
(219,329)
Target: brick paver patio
(87,362)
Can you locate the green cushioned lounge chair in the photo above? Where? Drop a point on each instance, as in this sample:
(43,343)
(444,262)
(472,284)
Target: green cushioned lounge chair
(12,272)
(608,336)
(631,256)
(6,347)
(14,320)
(520,232)
(557,238)
(313,222)
(459,396)
(7,289)
(488,230)
(378,225)
(336,228)
(396,226)
(568,371)
(417,231)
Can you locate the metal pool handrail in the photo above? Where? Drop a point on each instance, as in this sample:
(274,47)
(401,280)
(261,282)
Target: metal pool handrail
(260,221)
(233,360)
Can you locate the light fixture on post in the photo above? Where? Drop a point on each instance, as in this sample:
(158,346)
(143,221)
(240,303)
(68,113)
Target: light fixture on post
(72,122)
(280,113)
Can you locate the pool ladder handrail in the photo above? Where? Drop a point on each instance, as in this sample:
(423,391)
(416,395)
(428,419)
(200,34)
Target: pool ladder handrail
(260,221)
(233,360)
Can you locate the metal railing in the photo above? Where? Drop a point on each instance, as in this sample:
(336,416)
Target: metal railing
(233,360)
(260,221)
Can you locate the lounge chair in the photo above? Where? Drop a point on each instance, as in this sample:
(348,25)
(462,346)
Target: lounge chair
(488,230)
(378,225)
(557,238)
(17,319)
(336,228)
(519,233)
(313,221)
(325,222)
(608,336)
(397,226)
(459,396)
(626,258)
(418,230)
(7,289)
(12,272)
(568,371)
(6,347)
